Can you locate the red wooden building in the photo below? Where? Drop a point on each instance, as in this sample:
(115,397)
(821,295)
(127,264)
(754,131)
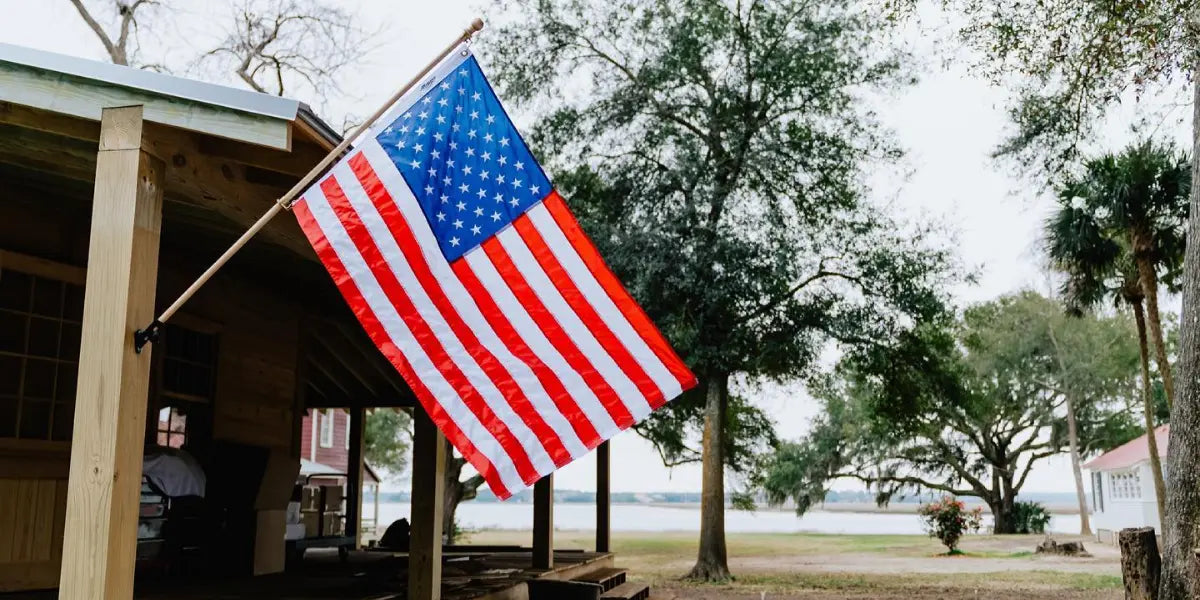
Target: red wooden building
(325,440)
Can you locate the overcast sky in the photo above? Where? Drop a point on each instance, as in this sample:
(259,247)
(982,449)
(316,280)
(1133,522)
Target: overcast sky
(948,123)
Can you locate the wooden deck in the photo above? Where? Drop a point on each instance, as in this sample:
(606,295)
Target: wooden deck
(467,575)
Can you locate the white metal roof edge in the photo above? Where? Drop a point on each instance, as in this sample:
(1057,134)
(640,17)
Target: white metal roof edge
(150,81)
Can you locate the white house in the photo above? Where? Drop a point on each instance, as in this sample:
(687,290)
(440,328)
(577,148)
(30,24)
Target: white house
(1123,487)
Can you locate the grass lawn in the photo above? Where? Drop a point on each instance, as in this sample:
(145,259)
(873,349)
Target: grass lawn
(854,566)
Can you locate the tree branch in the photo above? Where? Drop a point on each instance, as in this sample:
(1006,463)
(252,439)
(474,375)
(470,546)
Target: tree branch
(908,480)
(117,55)
(782,298)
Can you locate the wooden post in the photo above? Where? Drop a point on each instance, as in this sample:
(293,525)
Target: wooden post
(355,483)
(603,499)
(428,484)
(1140,563)
(543,523)
(100,533)
(375,516)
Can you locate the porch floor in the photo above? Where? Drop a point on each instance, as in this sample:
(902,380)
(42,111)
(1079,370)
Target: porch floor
(366,575)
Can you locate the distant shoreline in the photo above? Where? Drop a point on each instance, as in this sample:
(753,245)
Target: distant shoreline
(832,507)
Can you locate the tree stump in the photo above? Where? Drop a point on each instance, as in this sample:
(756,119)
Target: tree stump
(1049,546)
(1140,563)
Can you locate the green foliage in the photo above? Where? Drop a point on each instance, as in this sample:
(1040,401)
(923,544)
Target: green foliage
(1117,208)
(965,407)
(1069,61)
(715,152)
(948,520)
(386,443)
(1030,517)
(458,534)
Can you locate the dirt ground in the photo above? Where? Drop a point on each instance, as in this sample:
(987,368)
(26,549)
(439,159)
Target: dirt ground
(860,567)
(667,592)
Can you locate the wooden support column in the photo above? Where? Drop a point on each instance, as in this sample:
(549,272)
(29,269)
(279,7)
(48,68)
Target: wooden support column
(543,523)
(428,485)
(603,499)
(110,404)
(355,484)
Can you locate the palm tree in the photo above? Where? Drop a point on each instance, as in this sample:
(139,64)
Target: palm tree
(1139,199)
(1097,255)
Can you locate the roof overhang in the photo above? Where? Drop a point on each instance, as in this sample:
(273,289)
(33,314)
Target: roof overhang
(82,88)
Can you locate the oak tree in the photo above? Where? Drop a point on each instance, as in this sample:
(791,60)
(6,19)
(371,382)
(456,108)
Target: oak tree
(715,149)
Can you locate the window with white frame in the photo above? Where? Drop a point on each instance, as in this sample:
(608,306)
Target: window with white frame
(1126,485)
(347,430)
(1098,491)
(326,417)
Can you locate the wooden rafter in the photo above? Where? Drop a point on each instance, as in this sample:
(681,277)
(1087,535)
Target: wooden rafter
(324,360)
(216,180)
(370,355)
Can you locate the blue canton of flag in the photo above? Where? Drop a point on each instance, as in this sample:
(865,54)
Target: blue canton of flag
(462,157)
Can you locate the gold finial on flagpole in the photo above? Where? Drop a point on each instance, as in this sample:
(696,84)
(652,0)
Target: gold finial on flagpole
(476,27)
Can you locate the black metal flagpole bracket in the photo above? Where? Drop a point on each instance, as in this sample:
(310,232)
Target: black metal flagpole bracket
(149,334)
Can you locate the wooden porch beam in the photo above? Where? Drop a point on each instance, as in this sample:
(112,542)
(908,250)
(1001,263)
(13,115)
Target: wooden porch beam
(323,368)
(212,180)
(80,97)
(355,466)
(603,498)
(543,523)
(110,404)
(428,486)
(338,353)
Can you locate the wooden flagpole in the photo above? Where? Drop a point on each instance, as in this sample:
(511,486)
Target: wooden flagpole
(151,332)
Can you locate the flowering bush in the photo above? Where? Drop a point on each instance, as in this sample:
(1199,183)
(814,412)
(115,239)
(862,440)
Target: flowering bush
(948,519)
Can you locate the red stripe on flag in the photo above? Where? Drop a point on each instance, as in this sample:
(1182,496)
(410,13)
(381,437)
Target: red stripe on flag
(554,332)
(503,380)
(620,296)
(422,331)
(383,341)
(586,312)
(516,344)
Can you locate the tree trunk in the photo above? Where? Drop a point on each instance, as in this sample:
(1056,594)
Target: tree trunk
(1149,281)
(1004,512)
(1002,517)
(1181,580)
(456,491)
(1160,486)
(1140,563)
(1085,524)
(711,562)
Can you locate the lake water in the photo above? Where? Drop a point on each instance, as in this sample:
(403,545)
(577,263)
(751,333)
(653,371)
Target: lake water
(640,517)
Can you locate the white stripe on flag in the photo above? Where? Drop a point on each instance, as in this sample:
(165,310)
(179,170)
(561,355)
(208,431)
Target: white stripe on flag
(466,309)
(528,266)
(516,315)
(579,390)
(579,273)
(453,347)
(425,370)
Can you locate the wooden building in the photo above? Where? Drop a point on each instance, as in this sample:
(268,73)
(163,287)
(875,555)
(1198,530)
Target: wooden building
(117,188)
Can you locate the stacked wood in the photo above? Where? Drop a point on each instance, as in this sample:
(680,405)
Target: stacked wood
(1140,563)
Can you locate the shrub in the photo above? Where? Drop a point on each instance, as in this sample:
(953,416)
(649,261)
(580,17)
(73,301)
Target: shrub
(948,519)
(1030,517)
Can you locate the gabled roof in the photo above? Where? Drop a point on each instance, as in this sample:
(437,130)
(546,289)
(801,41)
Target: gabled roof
(81,88)
(308,467)
(1130,453)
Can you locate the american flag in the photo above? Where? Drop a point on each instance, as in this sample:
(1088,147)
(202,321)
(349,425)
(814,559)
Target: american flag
(471,275)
